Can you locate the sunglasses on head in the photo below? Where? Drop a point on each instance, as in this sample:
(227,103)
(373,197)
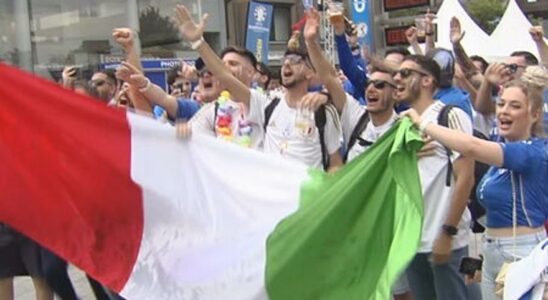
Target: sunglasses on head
(406,72)
(513,68)
(380,84)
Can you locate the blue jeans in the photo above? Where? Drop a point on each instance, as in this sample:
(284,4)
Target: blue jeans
(498,250)
(431,281)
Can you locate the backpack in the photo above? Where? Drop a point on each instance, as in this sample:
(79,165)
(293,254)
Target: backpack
(476,209)
(319,119)
(355,135)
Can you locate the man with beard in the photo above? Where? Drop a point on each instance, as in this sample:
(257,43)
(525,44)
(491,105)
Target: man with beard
(433,272)
(361,126)
(290,133)
(104,85)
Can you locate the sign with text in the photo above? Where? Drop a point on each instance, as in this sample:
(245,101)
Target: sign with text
(361,15)
(259,19)
(395,36)
(401,4)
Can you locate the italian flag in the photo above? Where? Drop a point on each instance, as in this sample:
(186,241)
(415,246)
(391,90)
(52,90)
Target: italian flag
(154,217)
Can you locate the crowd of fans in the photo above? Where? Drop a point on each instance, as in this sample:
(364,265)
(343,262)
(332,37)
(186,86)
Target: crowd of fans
(468,110)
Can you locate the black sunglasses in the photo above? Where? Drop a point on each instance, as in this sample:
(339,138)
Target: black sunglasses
(406,72)
(513,68)
(97,83)
(203,72)
(380,84)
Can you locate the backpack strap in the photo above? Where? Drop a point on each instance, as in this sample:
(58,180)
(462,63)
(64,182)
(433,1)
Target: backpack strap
(215,113)
(269,109)
(320,120)
(358,129)
(443,120)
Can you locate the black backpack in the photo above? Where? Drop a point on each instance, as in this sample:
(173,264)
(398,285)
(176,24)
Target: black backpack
(319,119)
(476,209)
(355,135)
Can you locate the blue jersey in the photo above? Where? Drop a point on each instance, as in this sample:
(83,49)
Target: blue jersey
(546,111)
(528,162)
(456,97)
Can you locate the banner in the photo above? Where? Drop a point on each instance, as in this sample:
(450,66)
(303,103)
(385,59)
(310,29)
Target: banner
(259,19)
(361,15)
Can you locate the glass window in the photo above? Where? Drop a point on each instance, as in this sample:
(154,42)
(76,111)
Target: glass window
(74,32)
(281,24)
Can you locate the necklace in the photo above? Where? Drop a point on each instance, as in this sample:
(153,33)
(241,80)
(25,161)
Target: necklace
(223,124)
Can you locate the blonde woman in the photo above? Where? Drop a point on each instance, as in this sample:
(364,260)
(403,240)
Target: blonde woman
(514,191)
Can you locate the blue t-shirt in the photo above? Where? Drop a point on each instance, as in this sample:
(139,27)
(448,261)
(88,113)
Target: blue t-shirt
(528,161)
(457,97)
(186,108)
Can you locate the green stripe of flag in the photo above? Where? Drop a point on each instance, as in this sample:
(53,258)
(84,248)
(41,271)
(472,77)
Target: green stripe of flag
(354,231)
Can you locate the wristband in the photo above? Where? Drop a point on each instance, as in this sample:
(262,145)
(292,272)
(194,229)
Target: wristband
(194,45)
(146,87)
(423,124)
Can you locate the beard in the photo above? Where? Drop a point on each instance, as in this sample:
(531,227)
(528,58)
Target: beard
(413,91)
(293,82)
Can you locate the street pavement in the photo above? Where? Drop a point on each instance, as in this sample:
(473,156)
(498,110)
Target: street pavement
(24,289)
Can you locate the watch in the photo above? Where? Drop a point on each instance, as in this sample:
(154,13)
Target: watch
(450,230)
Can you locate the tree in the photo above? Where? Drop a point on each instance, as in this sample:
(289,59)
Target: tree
(156,30)
(486,13)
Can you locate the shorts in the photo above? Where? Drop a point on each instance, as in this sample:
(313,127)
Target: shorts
(19,256)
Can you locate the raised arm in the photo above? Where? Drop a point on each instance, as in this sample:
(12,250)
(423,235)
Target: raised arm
(455,35)
(193,33)
(325,71)
(495,75)
(429,29)
(347,62)
(538,37)
(412,39)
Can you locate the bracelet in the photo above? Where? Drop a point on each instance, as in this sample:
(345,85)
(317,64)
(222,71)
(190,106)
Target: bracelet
(423,124)
(146,87)
(194,45)
(429,33)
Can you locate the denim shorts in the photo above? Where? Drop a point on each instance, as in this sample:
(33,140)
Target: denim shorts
(497,251)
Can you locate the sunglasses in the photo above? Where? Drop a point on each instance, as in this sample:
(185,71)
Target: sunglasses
(380,84)
(97,83)
(204,72)
(406,72)
(292,60)
(513,68)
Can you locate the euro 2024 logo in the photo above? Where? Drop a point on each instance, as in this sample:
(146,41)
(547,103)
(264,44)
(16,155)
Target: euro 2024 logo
(260,14)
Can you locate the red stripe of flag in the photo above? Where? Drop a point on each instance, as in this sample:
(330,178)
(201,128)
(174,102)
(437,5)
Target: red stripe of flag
(65,175)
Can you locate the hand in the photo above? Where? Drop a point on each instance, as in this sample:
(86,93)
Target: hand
(537,34)
(411,35)
(429,21)
(455,32)
(441,252)
(184,130)
(338,25)
(124,36)
(188,72)
(428,147)
(473,279)
(131,75)
(497,74)
(312,101)
(69,73)
(189,30)
(312,25)
(413,115)
(366,53)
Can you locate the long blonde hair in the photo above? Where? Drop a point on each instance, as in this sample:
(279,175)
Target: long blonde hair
(532,83)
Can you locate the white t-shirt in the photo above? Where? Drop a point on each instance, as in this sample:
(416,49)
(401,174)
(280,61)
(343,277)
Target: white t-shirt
(203,122)
(437,196)
(291,138)
(351,114)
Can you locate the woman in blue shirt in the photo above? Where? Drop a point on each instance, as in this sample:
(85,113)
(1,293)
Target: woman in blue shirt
(514,191)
